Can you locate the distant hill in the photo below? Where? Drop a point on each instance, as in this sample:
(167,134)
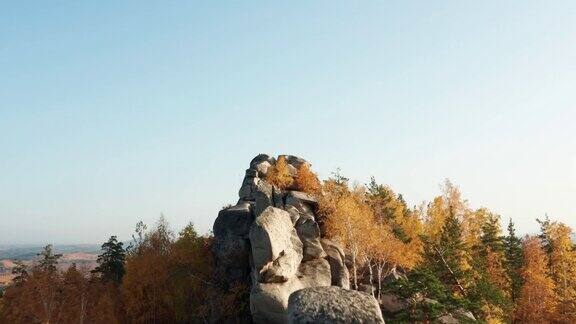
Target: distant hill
(83,255)
(29,252)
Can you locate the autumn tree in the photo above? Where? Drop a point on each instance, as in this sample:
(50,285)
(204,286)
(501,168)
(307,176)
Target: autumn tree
(37,295)
(538,300)
(390,209)
(387,251)
(347,219)
(75,296)
(106,303)
(384,202)
(563,269)
(279,174)
(37,300)
(145,287)
(306,180)
(190,269)
(442,207)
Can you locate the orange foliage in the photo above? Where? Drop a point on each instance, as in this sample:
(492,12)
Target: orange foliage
(537,303)
(306,180)
(495,269)
(279,174)
(563,269)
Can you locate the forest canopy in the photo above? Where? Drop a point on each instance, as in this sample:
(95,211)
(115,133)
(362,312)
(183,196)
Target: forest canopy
(444,255)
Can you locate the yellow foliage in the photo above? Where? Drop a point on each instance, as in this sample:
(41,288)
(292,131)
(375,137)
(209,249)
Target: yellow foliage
(538,300)
(306,180)
(279,175)
(347,219)
(496,271)
(563,269)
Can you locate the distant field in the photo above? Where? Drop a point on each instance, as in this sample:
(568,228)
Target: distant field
(29,252)
(84,256)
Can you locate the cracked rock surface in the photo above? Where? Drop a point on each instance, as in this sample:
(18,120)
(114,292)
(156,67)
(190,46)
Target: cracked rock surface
(323,305)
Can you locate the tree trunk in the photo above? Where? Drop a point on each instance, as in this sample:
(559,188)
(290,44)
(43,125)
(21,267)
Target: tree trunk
(354,278)
(371,275)
(451,272)
(379,274)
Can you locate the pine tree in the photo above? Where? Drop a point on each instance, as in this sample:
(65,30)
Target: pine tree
(450,251)
(20,272)
(514,260)
(543,236)
(48,260)
(111,261)
(492,233)
(491,284)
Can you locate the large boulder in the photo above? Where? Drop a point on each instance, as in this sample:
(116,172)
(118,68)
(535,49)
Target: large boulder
(332,305)
(269,301)
(315,273)
(231,245)
(392,304)
(273,238)
(249,186)
(336,257)
(263,196)
(235,220)
(309,233)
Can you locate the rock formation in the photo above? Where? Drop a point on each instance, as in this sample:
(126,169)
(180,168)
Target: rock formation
(327,305)
(270,240)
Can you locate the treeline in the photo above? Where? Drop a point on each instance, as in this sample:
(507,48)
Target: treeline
(453,257)
(447,257)
(159,278)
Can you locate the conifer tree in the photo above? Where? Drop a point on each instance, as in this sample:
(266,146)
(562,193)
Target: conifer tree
(48,260)
(514,260)
(492,233)
(543,236)
(450,251)
(20,272)
(111,261)
(491,289)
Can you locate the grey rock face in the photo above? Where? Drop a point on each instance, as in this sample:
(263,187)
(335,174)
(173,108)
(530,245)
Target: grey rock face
(309,233)
(332,305)
(336,258)
(391,303)
(264,196)
(274,255)
(231,246)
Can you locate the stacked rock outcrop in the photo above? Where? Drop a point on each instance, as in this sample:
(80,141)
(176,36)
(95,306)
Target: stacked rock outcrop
(270,240)
(333,305)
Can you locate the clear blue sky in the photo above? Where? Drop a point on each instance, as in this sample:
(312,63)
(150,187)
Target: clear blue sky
(116,111)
